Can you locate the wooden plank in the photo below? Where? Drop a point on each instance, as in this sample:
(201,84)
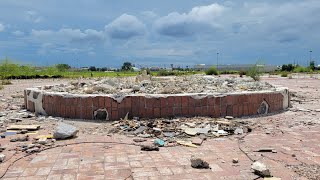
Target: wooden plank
(20,127)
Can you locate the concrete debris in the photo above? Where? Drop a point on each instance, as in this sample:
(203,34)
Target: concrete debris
(33,150)
(178,129)
(43,141)
(187,143)
(159,85)
(197,141)
(64,131)
(2,157)
(149,147)
(260,169)
(20,139)
(199,163)
(235,160)
(191,131)
(229,117)
(238,131)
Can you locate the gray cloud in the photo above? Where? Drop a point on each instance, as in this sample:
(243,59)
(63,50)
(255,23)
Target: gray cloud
(125,27)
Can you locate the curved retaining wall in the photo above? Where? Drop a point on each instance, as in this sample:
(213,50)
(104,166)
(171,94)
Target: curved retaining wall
(155,106)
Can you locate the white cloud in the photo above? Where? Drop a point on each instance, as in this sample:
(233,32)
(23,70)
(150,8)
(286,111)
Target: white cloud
(199,19)
(68,35)
(125,27)
(1,27)
(33,17)
(18,33)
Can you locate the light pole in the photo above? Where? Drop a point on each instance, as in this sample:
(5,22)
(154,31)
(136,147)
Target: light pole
(310,56)
(217,60)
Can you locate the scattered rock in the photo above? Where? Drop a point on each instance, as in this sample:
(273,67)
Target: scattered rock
(139,140)
(2,157)
(235,160)
(190,131)
(64,131)
(261,169)
(238,131)
(199,163)
(149,147)
(33,150)
(43,141)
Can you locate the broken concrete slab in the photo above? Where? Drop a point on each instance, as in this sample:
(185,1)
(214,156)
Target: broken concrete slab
(197,141)
(260,169)
(191,131)
(20,127)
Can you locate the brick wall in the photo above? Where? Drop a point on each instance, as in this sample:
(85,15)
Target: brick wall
(83,107)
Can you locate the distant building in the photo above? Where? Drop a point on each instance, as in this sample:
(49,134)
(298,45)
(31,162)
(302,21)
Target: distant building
(135,69)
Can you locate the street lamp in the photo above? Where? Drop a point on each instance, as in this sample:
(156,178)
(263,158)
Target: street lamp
(310,57)
(217,60)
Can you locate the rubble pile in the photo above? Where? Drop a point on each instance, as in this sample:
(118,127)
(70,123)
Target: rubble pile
(184,131)
(162,85)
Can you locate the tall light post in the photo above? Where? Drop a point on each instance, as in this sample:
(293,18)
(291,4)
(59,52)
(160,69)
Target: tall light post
(310,56)
(217,60)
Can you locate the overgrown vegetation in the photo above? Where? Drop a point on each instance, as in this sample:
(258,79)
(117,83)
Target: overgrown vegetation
(254,72)
(212,71)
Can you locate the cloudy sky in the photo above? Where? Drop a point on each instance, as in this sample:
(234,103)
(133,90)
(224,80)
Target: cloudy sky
(153,32)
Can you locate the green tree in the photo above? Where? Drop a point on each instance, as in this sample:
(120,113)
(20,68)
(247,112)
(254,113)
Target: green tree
(127,66)
(312,65)
(62,67)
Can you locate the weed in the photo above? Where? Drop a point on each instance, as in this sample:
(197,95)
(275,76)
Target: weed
(255,72)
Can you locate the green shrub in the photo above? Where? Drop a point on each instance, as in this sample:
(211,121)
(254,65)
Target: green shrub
(212,71)
(254,72)
(284,74)
(300,69)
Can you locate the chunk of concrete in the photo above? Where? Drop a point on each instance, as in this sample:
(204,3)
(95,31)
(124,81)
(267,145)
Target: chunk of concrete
(64,131)
(260,169)
(2,157)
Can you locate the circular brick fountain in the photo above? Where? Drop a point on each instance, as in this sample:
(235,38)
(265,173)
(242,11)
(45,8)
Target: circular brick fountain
(109,107)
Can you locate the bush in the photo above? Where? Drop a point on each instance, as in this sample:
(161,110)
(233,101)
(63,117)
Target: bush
(254,72)
(284,74)
(300,69)
(5,82)
(212,71)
